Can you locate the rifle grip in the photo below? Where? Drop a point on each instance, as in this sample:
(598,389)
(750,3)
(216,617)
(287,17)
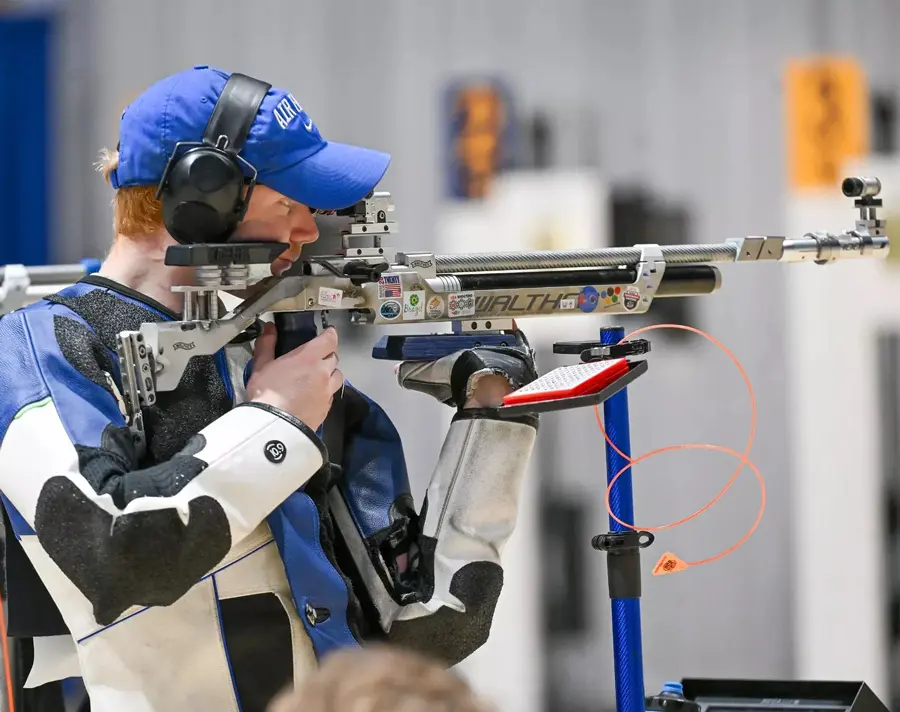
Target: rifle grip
(294,329)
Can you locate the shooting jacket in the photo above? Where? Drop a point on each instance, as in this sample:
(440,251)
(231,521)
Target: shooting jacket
(180,580)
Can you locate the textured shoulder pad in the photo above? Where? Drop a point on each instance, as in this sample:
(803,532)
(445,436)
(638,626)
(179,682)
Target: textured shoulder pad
(46,350)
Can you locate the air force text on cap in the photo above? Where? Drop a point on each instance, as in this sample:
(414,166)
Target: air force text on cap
(289,109)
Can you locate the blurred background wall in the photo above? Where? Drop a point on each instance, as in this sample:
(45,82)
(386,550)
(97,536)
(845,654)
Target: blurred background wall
(679,103)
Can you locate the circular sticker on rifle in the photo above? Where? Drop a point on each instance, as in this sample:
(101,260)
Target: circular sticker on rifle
(390,310)
(435,308)
(587,299)
(630,298)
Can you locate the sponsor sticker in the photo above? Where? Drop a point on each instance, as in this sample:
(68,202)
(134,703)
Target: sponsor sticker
(568,303)
(329,297)
(389,287)
(610,297)
(461,304)
(413,305)
(390,310)
(435,308)
(630,298)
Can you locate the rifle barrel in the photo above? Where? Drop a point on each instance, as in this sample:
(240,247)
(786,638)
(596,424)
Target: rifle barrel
(810,248)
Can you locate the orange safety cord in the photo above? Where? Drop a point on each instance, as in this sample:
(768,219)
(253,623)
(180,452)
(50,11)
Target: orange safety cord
(669,562)
(7,667)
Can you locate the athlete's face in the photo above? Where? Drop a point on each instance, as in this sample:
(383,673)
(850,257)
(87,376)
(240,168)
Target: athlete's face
(272,217)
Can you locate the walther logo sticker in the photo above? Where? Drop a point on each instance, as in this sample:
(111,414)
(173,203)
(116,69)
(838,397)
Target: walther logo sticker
(587,299)
(520,303)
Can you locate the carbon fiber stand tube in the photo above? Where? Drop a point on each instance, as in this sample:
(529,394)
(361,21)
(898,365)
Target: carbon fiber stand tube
(626,612)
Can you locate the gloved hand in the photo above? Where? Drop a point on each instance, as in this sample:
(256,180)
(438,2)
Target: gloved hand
(474,378)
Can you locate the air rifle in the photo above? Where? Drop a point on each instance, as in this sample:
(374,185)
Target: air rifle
(480,294)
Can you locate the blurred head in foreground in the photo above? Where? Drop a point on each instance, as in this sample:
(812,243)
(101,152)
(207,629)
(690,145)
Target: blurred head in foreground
(380,680)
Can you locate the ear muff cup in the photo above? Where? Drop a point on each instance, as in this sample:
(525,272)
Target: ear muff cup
(191,223)
(203,198)
(210,172)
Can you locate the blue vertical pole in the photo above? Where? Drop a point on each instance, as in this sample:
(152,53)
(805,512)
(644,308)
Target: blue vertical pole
(626,612)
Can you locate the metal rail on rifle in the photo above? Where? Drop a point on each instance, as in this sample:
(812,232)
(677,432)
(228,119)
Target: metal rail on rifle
(21,285)
(480,293)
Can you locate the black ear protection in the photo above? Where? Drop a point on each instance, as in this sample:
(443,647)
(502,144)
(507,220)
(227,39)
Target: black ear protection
(205,190)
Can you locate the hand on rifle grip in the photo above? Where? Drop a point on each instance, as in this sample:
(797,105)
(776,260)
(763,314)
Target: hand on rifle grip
(301,382)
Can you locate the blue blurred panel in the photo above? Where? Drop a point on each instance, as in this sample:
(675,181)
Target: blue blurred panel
(24,139)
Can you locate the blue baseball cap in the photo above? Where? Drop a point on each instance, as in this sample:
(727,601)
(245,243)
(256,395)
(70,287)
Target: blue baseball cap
(284,145)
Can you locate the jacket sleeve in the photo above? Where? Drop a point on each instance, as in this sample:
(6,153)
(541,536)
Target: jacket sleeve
(443,562)
(123,534)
